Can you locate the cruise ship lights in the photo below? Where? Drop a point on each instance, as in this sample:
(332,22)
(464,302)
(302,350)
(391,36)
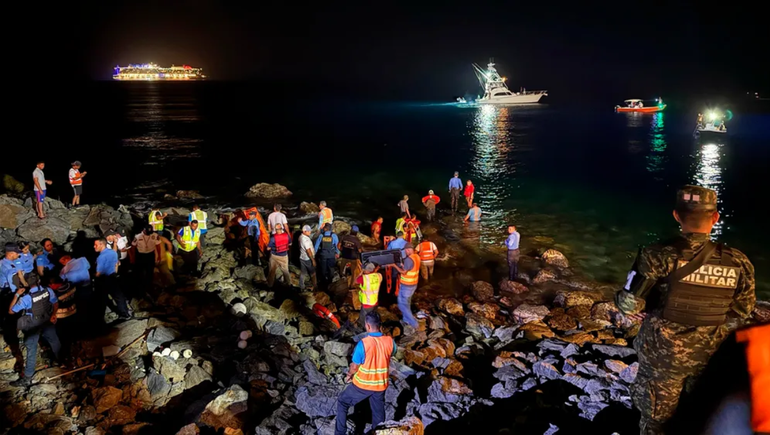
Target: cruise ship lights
(151,71)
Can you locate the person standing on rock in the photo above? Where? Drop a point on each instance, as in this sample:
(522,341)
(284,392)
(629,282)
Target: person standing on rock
(403,205)
(40,183)
(376,229)
(106,282)
(189,247)
(147,256)
(369,373)
(703,291)
(430,201)
(368,291)
(307,264)
(202,218)
(279,245)
(275,218)
(428,252)
(410,275)
(253,230)
(350,255)
(327,247)
(455,187)
(76,181)
(37,305)
(468,193)
(512,243)
(325,216)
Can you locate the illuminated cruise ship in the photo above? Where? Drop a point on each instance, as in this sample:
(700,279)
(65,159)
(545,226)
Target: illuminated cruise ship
(151,71)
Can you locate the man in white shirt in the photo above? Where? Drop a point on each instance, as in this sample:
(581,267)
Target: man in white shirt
(39,182)
(277,217)
(306,258)
(147,255)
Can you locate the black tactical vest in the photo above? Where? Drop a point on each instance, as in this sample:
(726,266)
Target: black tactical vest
(41,310)
(327,245)
(702,296)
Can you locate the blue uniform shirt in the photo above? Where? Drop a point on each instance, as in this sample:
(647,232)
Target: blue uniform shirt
(106,262)
(474,214)
(335,241)
(455,183)
(25,262)
(359,354)
(512,242)
(43,260)
(7,270)
(25,301)
(76,271)
(252,227)
(399,243)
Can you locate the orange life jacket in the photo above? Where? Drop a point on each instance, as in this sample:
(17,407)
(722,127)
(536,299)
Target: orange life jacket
(428,251)
(327,215)
(372,375)
(75,181)
(412,276)
(757,341)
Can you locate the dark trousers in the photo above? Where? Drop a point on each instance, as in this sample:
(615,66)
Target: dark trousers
(513,264)
(31,339)
(145,270)
(327,264)
(190,259)
(431,214)
(455,195)
(350,396)
(107,285)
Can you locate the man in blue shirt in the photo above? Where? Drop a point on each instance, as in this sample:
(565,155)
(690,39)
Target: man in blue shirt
(455,187)
(76,271)
(9,268)
(253,231)
(328,253)
(398,243)
(106,282)
(40,304)
(512,243)
(474,214)
(44,261)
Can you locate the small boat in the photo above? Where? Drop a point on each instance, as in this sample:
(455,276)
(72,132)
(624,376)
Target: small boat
(635,105)
(711,128)
(714,124)
(461,100)
(497,92)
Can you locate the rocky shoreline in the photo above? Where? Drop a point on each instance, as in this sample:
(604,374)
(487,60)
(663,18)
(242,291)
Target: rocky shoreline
(547,354)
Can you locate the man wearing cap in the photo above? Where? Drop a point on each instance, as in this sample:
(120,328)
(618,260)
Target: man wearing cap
(253,231)
(106,281)
(76,181)
(455,187)
(327,247)
(691,293)
(9,268)
(350,255)
(306,258)
(279,255)
(430,201)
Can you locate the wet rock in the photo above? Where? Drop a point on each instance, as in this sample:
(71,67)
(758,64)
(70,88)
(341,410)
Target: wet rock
(188,194)
(34,230)
(545,370)
(629,373)
(195,376)
(226,410)
(483,291)
(530,313)
(487,310)
(536,330)
(337,353)
(560,321)
(161,335)
(590,407)
(578,337)
(12,185)
(572,298)
(450,306)
(13,215)
(158,386)
(407,426)
(606,311)
(617,351)
(105,398)
(554,258)
(615,366)
(544,275)
(512,287)
(268,191)
(190,429)
(478,326)
(318,400)
(120,415)
(309,208)
(552,429)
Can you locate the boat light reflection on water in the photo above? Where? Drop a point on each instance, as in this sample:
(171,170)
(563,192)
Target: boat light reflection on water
(708,173)
(657,158)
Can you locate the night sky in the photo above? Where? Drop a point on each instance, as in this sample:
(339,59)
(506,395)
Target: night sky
(646,46)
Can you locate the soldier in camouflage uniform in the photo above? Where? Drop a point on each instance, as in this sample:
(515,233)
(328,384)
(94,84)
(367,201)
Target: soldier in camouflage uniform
(692,294)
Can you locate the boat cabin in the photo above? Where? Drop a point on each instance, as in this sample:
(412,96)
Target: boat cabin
(634,103)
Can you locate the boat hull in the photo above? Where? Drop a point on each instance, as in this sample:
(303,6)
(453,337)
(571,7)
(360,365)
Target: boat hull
(514,99)
(707,130)
(651,109)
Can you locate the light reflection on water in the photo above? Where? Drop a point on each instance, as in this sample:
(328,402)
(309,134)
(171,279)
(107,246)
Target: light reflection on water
(657,158)
(708,173)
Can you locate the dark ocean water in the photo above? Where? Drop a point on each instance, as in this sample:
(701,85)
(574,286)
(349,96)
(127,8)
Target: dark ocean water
(598,183)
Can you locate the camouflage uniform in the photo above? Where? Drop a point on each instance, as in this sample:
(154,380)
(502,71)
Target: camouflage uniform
(672,354)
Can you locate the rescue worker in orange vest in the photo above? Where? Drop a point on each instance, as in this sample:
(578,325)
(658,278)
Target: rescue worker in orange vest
(76,181)
(369,373)
(428,253)
(430,202)
(369,290)
(410,274)
(279,255)
(325,216)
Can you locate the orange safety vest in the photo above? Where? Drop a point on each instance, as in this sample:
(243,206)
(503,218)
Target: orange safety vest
(372,375)
(428,251)
(757,341)
(412,275)
(75,181)
(327,215)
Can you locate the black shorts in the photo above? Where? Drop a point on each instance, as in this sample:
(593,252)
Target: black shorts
(78,189)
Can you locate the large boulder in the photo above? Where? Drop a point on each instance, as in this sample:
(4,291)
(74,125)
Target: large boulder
(35,230)
(407,426)
(268,191)
(554,258)
(12,185)
(13,215)
(483,291)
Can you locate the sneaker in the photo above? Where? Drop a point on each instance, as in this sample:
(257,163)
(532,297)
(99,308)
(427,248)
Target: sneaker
(22,382)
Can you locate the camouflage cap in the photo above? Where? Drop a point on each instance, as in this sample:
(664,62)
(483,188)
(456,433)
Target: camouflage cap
(696,198)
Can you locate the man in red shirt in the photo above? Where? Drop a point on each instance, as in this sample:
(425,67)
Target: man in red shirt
(376,228)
